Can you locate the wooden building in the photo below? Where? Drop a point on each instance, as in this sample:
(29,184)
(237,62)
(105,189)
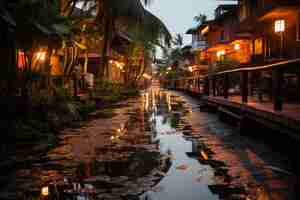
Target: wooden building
(252,50)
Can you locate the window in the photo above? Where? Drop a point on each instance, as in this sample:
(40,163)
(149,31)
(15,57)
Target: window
(279,26)
(258,46)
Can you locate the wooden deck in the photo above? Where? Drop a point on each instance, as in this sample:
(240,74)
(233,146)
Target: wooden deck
(286,120)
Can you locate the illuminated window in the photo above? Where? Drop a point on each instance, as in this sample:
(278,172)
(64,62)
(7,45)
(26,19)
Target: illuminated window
(258,46)
(221,55)
(279,26)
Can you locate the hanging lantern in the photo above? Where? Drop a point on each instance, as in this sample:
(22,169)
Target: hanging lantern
(279,26)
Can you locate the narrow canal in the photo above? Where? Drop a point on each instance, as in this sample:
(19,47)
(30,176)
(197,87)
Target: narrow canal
(211,159)
(158,147)
(186,179)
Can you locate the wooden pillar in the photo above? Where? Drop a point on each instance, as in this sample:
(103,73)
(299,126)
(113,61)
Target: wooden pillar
(206,86)
(226,86)
(250,84)
(244,86)
(260,86)
(214,86)
(277,82)
(298,80)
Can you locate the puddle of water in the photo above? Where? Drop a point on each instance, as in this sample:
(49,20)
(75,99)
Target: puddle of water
(108,170)
(186,179)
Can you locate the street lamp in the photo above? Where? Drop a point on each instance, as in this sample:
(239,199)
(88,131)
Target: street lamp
(280,28)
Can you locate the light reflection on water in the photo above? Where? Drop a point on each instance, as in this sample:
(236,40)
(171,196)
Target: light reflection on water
(186,179)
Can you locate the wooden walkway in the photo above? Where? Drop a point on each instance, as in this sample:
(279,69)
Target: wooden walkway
(262,112)
(290,110)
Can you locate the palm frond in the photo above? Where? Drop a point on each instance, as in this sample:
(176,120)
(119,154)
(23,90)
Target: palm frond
(156,29)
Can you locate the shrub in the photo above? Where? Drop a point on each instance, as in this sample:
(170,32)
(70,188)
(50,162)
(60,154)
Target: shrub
(85,108)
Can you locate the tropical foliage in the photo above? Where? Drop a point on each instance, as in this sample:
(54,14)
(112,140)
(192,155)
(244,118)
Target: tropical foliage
(200,19)
(69,29)
(60,27)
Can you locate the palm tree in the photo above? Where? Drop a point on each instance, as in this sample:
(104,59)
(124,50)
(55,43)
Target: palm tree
(200,19)
(109,14)
(7,50)
(178,40)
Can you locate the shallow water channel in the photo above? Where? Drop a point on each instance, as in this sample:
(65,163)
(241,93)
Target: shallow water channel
(187,178)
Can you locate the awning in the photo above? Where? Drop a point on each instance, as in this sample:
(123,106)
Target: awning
(283,11)
(282,64)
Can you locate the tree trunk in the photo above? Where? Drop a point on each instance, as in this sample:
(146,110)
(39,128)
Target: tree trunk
(106,38)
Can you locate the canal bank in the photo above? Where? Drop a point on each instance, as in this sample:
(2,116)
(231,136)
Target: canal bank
(258,158)
(243,167)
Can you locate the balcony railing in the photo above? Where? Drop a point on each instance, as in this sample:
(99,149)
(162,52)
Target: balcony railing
(199,45)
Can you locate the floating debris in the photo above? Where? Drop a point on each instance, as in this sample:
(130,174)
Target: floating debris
(182,167)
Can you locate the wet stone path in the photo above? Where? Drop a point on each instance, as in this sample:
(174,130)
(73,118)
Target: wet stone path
(157,147)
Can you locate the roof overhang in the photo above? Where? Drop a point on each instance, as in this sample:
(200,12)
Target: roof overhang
(282,64)
(280,12)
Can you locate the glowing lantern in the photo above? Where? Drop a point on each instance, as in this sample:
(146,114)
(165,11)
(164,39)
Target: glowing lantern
(279,26)
(41,56)
(221,53)
(237,47)
(45,191)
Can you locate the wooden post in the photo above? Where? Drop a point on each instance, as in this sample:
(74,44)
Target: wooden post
(214,86)
(260,85)
(206,86)
(244,86)
(226,86)
(250,84)
(277,82)
(298,79)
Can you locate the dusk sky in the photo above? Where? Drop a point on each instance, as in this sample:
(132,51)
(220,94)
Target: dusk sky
(178,14)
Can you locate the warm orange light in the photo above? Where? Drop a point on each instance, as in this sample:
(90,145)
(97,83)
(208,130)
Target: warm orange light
(237,47)
(41,55)
(21,59)
(205,30)
(147,76)
(221,53)
(45,191)
(279,26)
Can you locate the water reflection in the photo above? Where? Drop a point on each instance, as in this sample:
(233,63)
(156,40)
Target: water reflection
(186,179)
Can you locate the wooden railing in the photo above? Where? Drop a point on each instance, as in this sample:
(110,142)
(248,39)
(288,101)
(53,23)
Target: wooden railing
(247,82)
